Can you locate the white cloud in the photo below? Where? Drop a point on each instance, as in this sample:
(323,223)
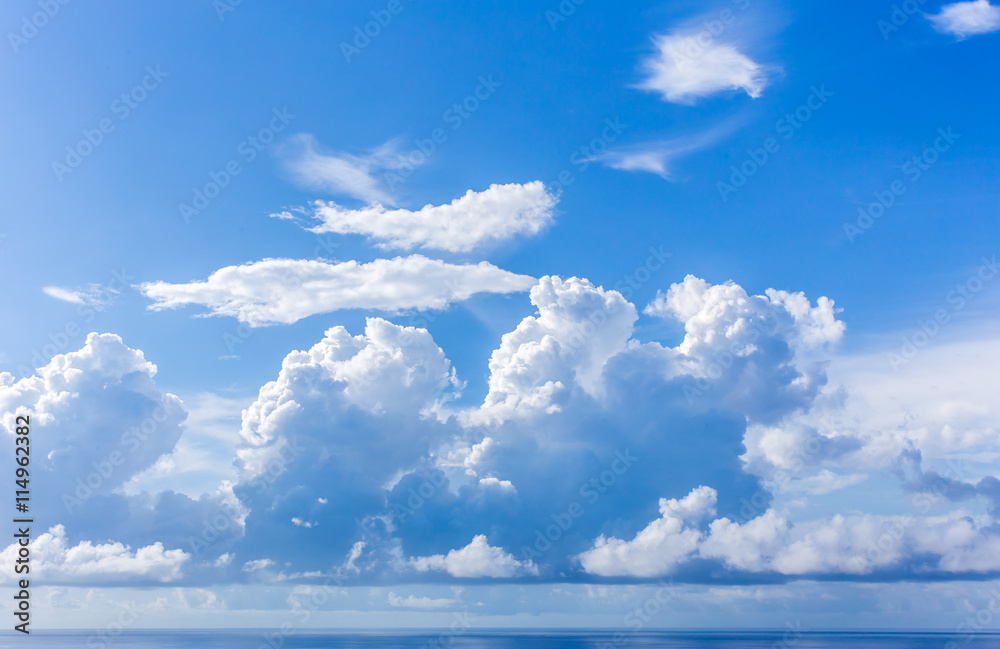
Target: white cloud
(726,313)
(868,414)
(824,482)
(964,19)
(96,296)
(748,546)
(353,555)
(475,220)
(577,329)
(652,157)
(660,546)
(64,294)
(687,68)
(478,559)
(257,565)
(202,460)
(344,174)
(387,369)
(756,354)
(497,483)
(425,603)
(102,414)
(333,429)
(860,544)
(55,561)
(659,157)
(287,290)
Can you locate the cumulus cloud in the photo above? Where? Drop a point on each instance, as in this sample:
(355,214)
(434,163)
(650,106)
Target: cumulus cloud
(963,19)
(102,414)
(360,448)
(387,369)
(660,546)
(100,421)
(756,352)
(54,561)
(339,423)
(257,565)
(870,417)
(537,363)
(855,545)
(477,559)
(686,68)
(345,174)
(476,220)
(286,290)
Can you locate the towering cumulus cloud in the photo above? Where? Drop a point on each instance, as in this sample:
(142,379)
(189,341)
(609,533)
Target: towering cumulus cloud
(359,435)
(98,419)
(591,456)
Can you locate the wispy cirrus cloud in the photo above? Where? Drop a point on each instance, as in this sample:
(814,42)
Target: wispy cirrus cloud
(345,174)
(96,296)
(659,157)
(964,19)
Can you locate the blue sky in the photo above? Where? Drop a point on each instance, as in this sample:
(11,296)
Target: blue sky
(703,236)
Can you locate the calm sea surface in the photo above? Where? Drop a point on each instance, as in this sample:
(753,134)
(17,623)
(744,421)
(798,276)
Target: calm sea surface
(504,640)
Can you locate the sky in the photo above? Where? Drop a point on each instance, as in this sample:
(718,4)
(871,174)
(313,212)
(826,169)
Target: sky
(504,314)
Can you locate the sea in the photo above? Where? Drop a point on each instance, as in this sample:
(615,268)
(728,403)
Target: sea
(263,639)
